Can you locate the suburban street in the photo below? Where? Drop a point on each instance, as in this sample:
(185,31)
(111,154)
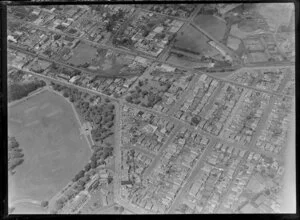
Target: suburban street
(182,94)
(164,115)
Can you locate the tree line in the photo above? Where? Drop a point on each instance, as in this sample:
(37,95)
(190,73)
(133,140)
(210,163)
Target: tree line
(15,154)
(20,90)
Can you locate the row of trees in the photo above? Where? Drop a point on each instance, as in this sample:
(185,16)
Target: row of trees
(100,153)
(15,154)
(20,90)
(16,76)
(101,116)
(65,71)
(122,41)
(73,94)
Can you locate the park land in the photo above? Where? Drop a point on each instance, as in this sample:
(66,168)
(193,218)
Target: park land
(49,136)
(187,108)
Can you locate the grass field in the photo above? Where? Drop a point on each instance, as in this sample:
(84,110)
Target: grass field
(193,40)
(213,25)
(276,14)
(54,151)
(104,62)
(83,53)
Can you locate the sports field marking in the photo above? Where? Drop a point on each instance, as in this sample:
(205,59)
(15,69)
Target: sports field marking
(53,113)
(30,109)
(15,120)
(32,123)
(45,105)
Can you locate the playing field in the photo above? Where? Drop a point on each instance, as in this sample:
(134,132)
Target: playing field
(54,151)
(213,25)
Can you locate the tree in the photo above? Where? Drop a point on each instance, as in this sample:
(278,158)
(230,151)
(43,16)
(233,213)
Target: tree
(85,179)
(144,93)
(13,142)
(93,164)
(141,83)
(109,179)
(110,107)
(81,182)
(109,26)
(137,101)
(121,209)
(138,89)
(14,163)
(11,210)
(72,98)
(78,176)
(195,120)
(79,187)
(87,167)
(59,204)
(17,154)
(109,124)
(129,99)
(20,90)
(44,204)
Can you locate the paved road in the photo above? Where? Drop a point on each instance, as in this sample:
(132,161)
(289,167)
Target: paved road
(77,118)
(117,153)
(68,84)
(191,177)
(141,150)
(245,86)
(164,115)
(180,67)
(101,45)
(10,45)
(164,55)
(133,208)
(159,154)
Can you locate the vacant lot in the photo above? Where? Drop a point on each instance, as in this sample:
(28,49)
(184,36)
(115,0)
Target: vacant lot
(54,152)
(213,25)
(98,60)
(276,14)
(83,53)
(193,41)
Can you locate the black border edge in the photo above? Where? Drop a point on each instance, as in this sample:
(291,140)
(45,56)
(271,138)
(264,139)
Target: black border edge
(4,110)
(3,120)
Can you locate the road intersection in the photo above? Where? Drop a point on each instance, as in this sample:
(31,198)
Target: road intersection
(120,102)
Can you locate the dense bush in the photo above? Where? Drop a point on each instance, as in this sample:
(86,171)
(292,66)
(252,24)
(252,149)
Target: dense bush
(15,155)
(44,203)
(20,90)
